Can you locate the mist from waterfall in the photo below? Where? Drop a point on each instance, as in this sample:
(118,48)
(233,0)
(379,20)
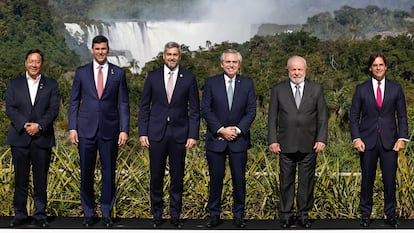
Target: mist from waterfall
(216,21)
(143,41)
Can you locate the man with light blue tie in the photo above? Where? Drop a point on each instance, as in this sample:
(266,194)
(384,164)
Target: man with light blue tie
(228,124)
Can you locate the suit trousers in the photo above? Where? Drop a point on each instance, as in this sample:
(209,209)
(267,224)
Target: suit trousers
(108,150)
(159,151)
(388,164)
(39,160)
(305,164)
(216,166)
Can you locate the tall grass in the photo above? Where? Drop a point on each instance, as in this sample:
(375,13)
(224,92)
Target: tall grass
(336,194)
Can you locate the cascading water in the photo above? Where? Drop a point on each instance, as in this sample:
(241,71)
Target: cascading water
(142,41)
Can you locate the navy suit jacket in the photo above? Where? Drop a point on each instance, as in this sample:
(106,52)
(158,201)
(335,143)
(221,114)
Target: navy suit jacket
(366,120)
(216,112)
(20,110)
(183,111)
(87,112)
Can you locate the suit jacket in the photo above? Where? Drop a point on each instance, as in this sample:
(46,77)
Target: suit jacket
(183,111)
(297,129)
(20,110)
(366,120)
(216,112)
(87,112)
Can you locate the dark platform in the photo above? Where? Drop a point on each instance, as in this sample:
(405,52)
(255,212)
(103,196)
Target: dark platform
(198,224)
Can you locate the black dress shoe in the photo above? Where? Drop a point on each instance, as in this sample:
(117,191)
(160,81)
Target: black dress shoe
(306,223)
(43,223)
(88,221)
(364,222)
(286,223)
(17,222)
(213,221)
(107,221)
(239,222)
(177,222)
(156,222)
(392,221)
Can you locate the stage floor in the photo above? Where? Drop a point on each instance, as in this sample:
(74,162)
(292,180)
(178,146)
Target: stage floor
(198,224)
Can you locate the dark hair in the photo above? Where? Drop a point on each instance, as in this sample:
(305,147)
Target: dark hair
(373,56)
(100,39)
(35,51)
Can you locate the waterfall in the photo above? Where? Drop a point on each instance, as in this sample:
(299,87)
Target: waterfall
(142,41)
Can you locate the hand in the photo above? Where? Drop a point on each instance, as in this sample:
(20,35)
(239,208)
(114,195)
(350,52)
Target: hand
(190,143)
(123,138)
(359,145)
(144,141)
(228,133)
(32,129)
(73,137)
(275,148)
(399,145)
(319,146)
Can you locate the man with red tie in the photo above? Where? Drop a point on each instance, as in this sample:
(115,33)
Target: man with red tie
(379,129)
(98,121)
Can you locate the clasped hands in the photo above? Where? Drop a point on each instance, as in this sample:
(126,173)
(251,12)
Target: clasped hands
(32,128)
(228,133)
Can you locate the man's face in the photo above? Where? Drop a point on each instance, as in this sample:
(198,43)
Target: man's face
(230,64)
(297,70)
(378,68)
(33,65)
(171,57)
(100,52)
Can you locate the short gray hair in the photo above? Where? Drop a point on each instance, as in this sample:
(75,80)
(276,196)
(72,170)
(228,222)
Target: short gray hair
(172,44)
(239,56)
(294,57)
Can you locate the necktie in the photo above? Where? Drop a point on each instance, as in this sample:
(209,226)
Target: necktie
(99,88)
(230,93)
(379,95)
(297,96)
(170,86)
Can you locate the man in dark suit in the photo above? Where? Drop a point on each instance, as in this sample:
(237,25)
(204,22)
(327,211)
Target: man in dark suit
(32,105)
(379,129)
(98,120)
(298,130)
(168,123)
(229,108)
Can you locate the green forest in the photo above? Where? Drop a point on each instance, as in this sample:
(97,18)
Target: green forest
(336,46)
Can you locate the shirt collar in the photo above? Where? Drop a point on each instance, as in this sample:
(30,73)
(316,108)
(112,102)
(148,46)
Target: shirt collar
(167,70)
(96,65)
(227,78)
(374,81)
(30,78)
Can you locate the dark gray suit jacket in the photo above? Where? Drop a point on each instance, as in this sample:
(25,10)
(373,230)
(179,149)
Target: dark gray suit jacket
(297,130)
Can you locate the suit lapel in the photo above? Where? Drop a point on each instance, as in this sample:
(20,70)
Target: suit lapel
(91,80)
(288,89)
(178,83)
(307,89)
(26,87)
(387,93)
(42,85)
